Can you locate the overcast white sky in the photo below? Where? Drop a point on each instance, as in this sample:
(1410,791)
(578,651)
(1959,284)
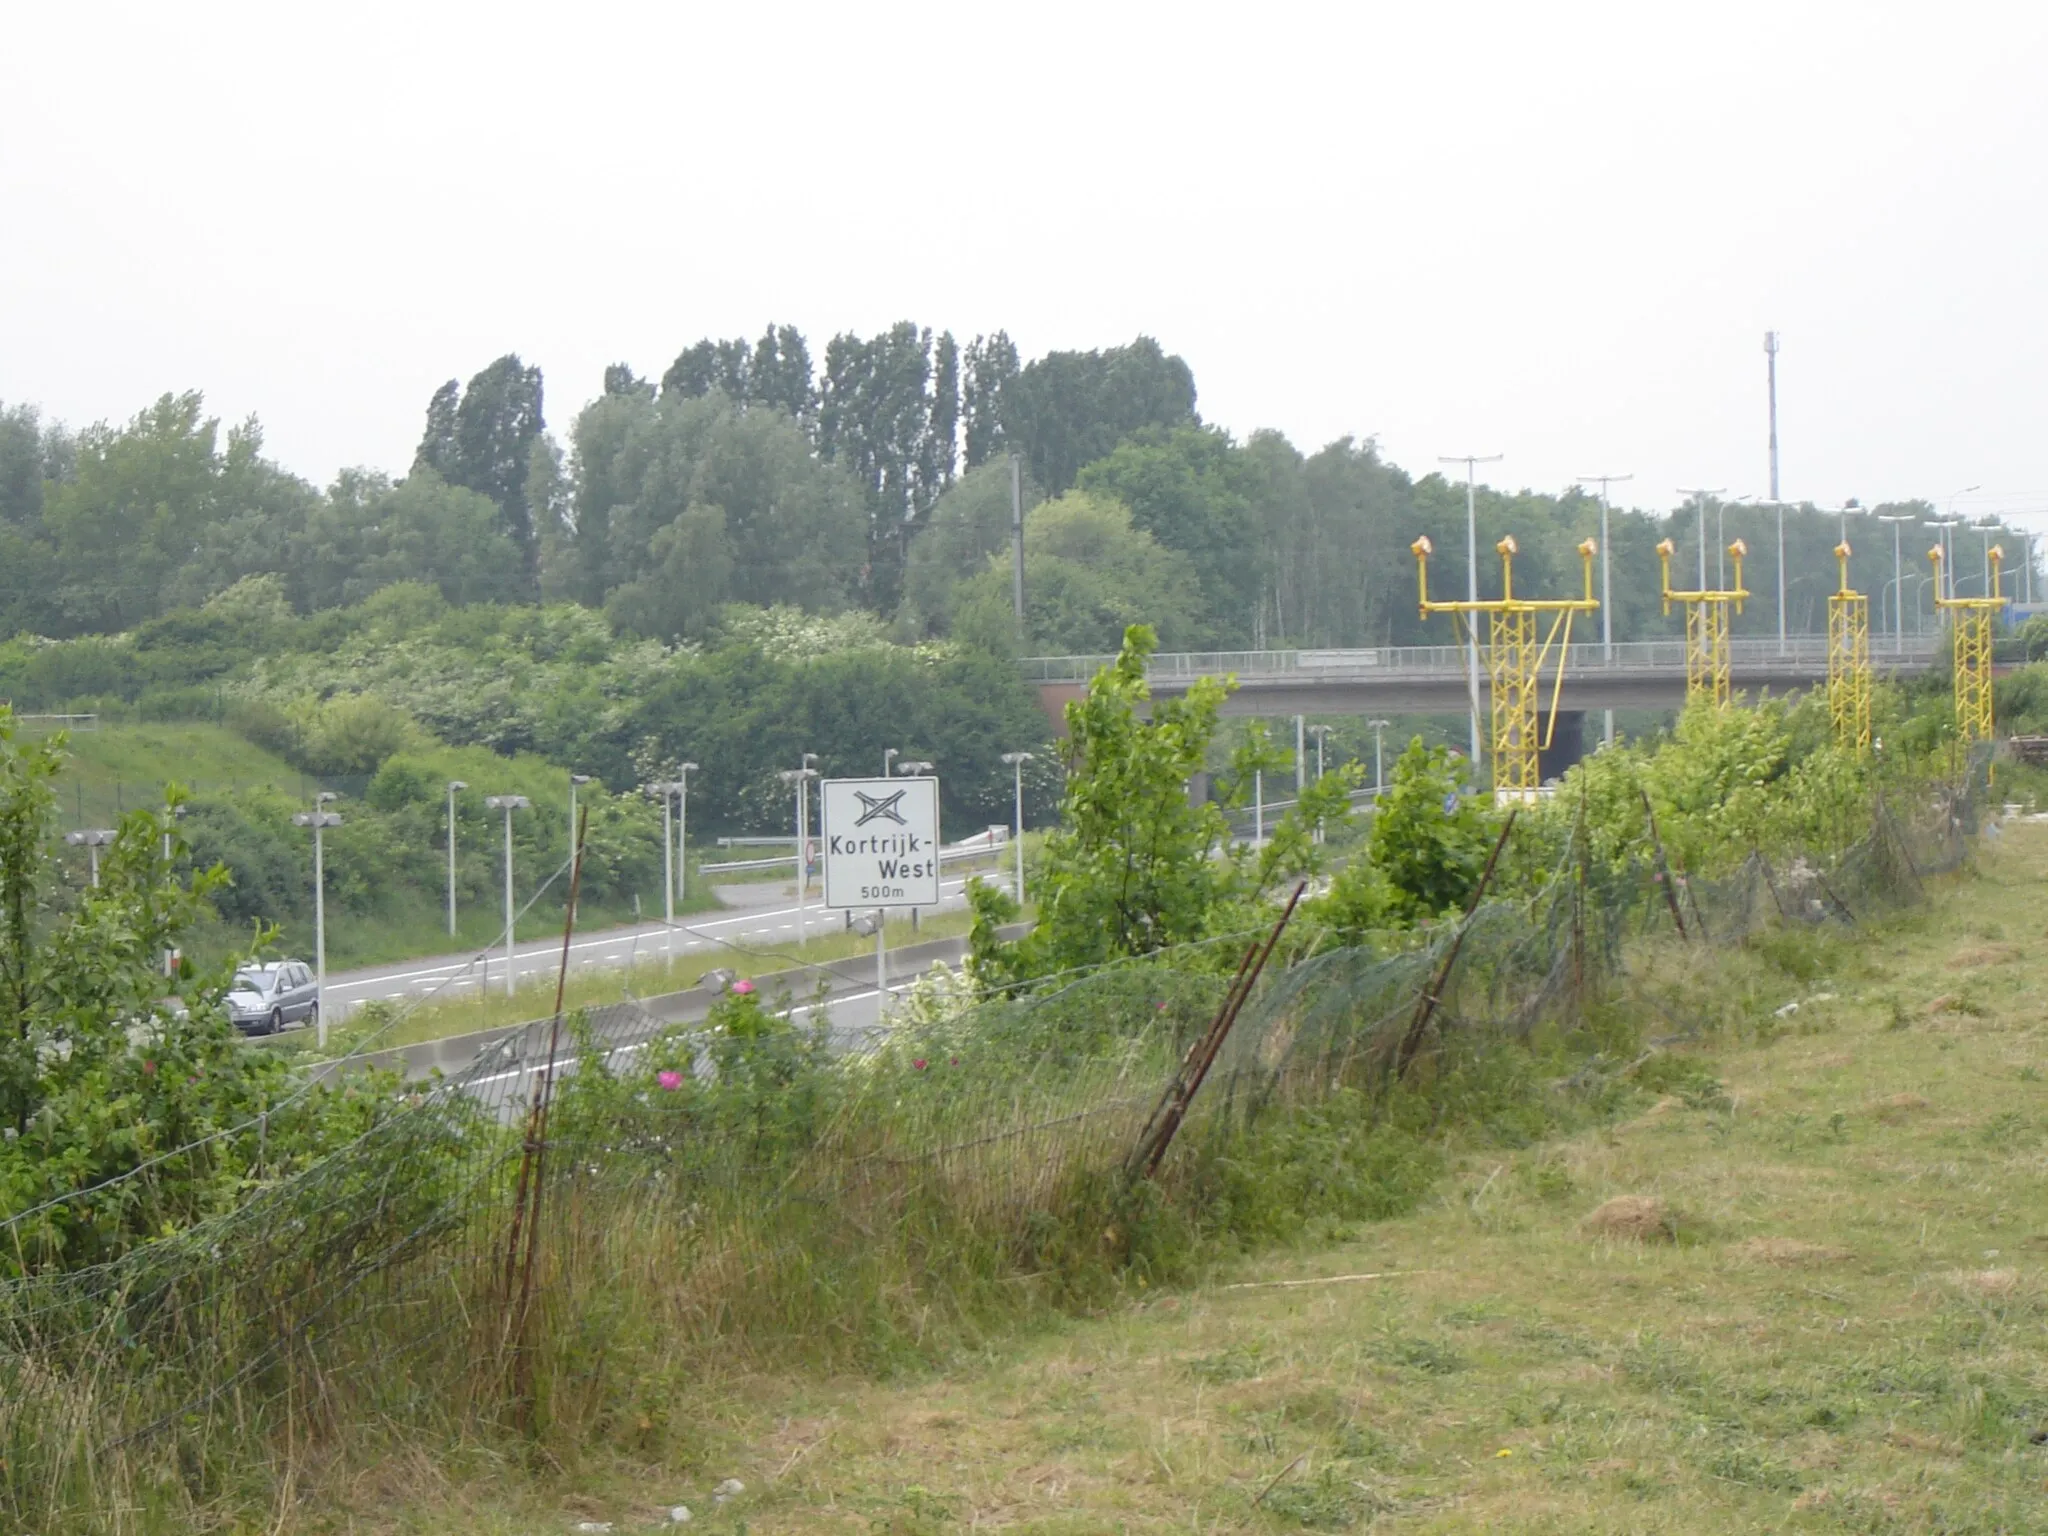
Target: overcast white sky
(1553,231)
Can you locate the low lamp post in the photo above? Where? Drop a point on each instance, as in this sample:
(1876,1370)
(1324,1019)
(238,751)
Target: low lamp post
(92,839)
(319,819)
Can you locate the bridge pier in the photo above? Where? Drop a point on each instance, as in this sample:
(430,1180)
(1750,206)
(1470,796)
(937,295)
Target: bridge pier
(1567,745)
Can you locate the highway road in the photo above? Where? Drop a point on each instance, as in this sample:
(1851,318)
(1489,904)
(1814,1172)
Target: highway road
(612,948)
(856,1021)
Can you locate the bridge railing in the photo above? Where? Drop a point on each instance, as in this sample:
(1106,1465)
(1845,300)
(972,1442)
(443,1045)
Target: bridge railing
(1803,653)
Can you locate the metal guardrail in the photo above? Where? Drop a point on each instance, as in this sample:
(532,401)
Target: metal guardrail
(1802,652)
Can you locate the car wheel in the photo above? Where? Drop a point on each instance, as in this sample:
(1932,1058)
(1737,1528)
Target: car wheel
(275,1023)
(313,1017)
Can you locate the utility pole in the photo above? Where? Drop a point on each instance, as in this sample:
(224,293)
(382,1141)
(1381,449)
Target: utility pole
(1300,755)
(1606,587)
(1017,540)
(1471,461)
(1771,373)
(1704,496)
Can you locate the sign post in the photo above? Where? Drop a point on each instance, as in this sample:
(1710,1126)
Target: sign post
(881,842)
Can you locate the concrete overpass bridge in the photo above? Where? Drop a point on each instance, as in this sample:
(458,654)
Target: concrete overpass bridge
(1431,679)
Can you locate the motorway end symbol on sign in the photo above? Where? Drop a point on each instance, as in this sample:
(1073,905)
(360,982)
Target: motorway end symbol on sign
(881,839)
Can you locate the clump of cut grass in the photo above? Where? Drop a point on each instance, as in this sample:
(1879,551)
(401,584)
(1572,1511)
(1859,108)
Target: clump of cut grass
(1898,1106)
(1633,1219)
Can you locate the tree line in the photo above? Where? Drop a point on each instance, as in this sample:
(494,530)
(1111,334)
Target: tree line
(873,477)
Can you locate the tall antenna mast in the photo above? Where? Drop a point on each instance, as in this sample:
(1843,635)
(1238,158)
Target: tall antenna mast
(1771,369)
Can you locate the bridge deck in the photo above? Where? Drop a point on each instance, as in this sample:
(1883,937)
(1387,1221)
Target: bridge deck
(1635,674)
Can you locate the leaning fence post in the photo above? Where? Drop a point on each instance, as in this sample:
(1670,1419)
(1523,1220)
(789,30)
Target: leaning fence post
(1426,1009)
(1663,868)
(1159,1130)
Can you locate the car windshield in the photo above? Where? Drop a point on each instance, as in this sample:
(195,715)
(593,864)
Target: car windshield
(253,981)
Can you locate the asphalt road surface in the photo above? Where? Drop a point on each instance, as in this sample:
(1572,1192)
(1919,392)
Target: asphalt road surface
(612,948)
(856,1020)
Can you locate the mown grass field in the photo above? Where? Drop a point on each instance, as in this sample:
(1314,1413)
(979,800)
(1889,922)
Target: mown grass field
(1824,1309)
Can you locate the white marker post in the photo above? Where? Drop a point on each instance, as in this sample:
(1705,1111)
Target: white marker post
(881,845)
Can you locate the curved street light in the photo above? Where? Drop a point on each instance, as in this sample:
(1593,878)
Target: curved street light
(508,804)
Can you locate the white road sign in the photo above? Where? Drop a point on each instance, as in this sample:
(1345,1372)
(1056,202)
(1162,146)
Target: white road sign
(881,842)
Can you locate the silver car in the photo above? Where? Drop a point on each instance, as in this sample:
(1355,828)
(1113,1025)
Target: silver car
(265,998)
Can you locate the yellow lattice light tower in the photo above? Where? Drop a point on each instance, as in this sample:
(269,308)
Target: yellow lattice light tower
(1706,628)
(1849,660)
(1971,620)
(1514,662)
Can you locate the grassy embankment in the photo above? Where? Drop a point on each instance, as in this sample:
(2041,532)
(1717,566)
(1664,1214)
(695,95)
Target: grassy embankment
(124,767)
(1821,1307)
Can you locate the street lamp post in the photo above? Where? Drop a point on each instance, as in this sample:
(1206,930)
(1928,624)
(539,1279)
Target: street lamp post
(1780,508)
(1379,757)
(177,814)
(889,754)
(1471,461)
(1946,587)
(1606,586)
(1721,539)
(667,789)
(1017,760)
(801,778)
(1321,734)
(1988,529)
(453,786)
(1898,583)
(1704,496)
(683,772)
(92,840)
(319,819)
(910,768)
(508,804)
(1949,519)
(574,780)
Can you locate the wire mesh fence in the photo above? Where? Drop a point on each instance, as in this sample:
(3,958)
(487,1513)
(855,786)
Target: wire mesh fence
(494,1241)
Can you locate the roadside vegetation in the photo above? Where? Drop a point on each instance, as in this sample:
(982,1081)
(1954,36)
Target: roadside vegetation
(1781,1274)
(751,1204)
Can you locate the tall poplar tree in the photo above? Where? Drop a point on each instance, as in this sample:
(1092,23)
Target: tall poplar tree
(481,438)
